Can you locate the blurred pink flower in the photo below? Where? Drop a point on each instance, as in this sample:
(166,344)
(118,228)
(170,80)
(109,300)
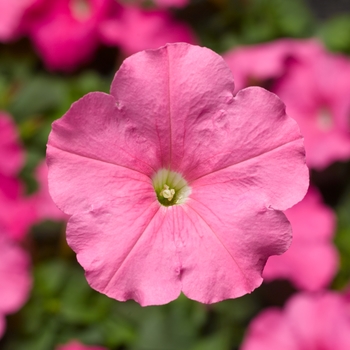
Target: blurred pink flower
(66,32)
(15,279)
(313,83)
(317,96)
(11,151)
(308,321)
(134,29)
(257,64)
(16,211)
(174,184)
(44,206)
(312,260)
(75,345)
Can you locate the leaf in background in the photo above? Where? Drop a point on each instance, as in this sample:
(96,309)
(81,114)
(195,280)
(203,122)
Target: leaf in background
(38,95)
(342,241)
(336,33)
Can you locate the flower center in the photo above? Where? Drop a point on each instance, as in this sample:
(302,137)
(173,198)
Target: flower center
(171,188)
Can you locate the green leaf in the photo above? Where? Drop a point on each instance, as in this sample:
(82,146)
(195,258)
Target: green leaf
(336,33)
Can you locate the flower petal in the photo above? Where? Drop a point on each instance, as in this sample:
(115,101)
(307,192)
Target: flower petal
(261,152)
(171,93)
(226,243)
(128,252)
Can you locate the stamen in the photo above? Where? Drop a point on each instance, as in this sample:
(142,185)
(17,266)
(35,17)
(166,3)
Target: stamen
(167,192)
(170,187)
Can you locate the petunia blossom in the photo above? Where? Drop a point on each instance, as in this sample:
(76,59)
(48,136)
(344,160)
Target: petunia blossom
(75,345)
(174,184)
(317,97)
(15,279)
(308,321)
(66,32)
(313,83)
(312,260)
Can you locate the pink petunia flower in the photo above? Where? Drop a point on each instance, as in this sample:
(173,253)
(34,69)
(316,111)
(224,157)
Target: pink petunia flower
(134,29)
(173,183)
(312,260)
(317,96)
(15,280)
(66,32)
(308,321)
(313,83)
(75,345)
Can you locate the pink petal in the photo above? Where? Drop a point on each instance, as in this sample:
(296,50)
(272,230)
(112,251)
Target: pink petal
(225,241)
(255,139)
(128,251)
(170,100)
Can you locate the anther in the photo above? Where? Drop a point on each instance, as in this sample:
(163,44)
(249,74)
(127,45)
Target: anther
(167,192)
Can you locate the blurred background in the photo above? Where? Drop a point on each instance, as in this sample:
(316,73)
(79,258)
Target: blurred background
(52,52)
